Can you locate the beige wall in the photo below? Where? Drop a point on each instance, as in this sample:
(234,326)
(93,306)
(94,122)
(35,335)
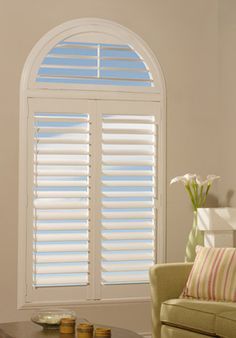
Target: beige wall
(227,70)
(184,36)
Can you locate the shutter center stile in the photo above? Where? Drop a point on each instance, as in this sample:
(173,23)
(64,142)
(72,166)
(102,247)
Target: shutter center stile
(95,202)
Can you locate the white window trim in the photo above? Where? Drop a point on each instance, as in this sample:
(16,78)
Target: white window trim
(157,94)
(84,26)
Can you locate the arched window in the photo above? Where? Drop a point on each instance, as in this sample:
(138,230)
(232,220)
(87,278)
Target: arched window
(92,166)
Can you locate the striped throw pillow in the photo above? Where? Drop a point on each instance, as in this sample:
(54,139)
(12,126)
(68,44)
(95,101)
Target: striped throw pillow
(213,276)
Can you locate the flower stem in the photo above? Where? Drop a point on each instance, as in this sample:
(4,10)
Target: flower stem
(206,193)
(188,188)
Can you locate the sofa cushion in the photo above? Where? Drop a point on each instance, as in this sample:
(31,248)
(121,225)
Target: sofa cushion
(213,276)
(175,332)
(226,324)
(195,315)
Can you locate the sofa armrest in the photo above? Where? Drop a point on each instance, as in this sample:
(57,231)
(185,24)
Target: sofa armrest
(167,282)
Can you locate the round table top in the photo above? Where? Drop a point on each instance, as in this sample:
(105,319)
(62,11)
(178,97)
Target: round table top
(31,330)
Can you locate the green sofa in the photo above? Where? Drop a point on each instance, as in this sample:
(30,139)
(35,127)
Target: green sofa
(173,317)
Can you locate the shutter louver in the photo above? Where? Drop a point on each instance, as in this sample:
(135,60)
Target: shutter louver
(71,62)
(128,198)
(61,199)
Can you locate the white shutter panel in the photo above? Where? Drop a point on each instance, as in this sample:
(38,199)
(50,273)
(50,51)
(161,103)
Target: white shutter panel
(61,199)
(128,196)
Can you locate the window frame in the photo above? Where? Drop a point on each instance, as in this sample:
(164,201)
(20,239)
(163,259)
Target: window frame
(87,27)
(154,94)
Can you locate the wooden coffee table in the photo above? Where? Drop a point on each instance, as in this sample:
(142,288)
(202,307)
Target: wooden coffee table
(31,330)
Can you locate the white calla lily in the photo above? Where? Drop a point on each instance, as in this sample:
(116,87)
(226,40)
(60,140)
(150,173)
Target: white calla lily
(200,182)
(196,187)
(177,179)
(187,178)
(211,178)
(190,178)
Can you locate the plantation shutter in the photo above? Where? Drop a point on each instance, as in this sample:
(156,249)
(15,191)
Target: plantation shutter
(72,62)
(60,194)
(93,198)
(129,194)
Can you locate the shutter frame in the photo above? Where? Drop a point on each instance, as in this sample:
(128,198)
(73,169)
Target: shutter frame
(107,31)
(93,293)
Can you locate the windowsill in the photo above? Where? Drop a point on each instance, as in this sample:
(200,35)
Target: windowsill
(30,306)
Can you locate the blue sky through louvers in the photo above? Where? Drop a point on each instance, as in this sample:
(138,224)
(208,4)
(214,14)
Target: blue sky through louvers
(92,63)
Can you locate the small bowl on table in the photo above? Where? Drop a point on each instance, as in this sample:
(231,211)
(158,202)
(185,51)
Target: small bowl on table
(51,318)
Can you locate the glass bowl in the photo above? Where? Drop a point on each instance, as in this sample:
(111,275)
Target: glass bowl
(51,318)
